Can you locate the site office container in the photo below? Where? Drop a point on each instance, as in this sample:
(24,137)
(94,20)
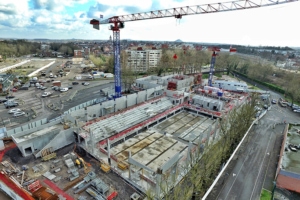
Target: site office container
(56,83)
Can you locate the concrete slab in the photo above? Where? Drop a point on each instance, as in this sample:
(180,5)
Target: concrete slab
(166,156)
(123,146)
(170,121)
(123,155)
(146,155)
(187,126)
(35,134)
(179,124)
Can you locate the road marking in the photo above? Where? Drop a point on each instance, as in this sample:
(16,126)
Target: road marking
(236,177)
(260,167)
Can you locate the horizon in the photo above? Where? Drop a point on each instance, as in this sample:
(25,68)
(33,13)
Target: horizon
(53,19)
(181,41)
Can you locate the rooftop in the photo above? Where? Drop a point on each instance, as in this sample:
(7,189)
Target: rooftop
(23,137)
(291,159)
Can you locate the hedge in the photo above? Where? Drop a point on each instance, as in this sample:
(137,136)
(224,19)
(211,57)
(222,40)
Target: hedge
(268,85)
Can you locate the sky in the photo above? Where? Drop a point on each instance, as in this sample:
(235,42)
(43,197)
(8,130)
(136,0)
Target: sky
(69,19)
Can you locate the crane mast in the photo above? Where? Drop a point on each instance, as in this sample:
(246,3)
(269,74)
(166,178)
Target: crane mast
(211,69)
(117,65)
(118,22)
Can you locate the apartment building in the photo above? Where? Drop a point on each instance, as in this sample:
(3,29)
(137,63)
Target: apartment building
(143,60)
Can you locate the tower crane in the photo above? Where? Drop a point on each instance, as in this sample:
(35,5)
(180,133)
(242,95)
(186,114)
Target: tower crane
(213,61)
(117,22)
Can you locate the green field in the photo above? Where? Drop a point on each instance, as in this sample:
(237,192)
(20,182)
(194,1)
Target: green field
(265,195)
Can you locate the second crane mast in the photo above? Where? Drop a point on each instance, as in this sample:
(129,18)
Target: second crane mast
(118,22)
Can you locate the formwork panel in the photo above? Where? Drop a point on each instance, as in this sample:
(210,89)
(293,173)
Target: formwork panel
(166,156)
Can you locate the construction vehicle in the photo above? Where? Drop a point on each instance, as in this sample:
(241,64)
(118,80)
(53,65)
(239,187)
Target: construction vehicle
(122,165)
(118,23)
(105,167)
(82,164)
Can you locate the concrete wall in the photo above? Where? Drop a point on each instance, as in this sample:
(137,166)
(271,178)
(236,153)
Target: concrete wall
(107,107)
(35,144)
(32,127)
(208,103)
(120,103)
(94,111)
(131,99)
(62,139)
(141,96)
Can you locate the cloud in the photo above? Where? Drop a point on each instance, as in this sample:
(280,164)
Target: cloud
(14,13)
(142,5)
(55,5)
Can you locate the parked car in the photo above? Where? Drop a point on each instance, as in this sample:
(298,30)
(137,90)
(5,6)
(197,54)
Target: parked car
(9,104)
(46,94)
(56,88)
(64,89)
(3,100)
(266,106)
(85,83)
(295,107)
(17,114)
(75,83)
(43,88)
(257,114)
(70,87)
(297,110)
(274,101)
(257,108)
(10,97)
(14,110)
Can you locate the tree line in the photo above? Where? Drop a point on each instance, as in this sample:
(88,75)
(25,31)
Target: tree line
(16,48)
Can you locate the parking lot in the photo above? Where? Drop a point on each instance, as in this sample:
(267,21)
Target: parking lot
(37,107)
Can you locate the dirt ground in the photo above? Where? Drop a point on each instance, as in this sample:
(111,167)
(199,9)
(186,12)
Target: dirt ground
(111,179)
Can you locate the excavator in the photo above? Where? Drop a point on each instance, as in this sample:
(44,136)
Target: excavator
(82,164)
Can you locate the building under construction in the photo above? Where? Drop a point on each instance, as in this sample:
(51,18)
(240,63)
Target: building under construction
(141,137)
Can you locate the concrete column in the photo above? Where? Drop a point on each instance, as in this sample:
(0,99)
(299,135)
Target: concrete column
(86,114)
(158,185)
(130,175)
(92,141)
(189,152)
(108,151)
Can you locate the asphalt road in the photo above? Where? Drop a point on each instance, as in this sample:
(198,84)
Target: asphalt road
(254,166)
(83,95)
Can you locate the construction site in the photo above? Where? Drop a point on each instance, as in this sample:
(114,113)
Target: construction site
(124,147)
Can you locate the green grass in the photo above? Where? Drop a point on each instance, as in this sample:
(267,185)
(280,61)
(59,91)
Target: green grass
(265,195)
